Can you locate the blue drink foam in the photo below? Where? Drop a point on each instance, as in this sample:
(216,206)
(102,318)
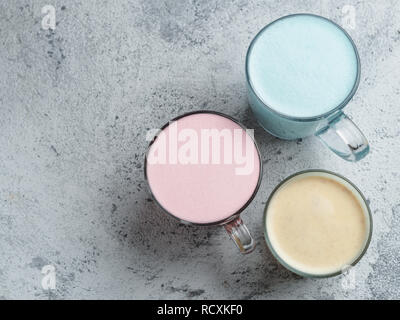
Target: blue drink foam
(302,66)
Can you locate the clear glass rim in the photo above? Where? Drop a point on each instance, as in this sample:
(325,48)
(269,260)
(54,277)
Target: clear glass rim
(232,216)
(304,119)
(276,255)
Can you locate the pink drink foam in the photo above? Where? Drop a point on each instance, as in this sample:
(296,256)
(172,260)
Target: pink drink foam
(203,193)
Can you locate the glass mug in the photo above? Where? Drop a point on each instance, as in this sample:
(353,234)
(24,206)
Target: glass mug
(208,191)
(317,223)
(301,71)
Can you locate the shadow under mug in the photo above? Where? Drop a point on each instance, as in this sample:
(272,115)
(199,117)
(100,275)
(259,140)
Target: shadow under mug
(333,128)
(233,224)
(355,191)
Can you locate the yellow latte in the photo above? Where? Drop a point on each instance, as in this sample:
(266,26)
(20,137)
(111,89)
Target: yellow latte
(317,223)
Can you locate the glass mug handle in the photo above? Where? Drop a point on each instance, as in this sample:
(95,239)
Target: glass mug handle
(239,233)
(344,138)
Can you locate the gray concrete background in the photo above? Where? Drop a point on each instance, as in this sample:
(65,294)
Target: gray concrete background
(75,104)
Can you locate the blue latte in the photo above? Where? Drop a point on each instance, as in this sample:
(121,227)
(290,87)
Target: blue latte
(302,66)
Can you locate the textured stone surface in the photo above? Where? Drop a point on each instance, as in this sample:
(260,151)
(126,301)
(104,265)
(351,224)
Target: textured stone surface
(75,104)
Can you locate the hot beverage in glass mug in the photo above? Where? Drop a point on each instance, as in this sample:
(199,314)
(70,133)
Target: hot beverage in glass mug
(317,223)
(204,168)
(301,71)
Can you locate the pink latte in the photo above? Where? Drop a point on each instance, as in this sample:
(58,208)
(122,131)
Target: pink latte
(203,168)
